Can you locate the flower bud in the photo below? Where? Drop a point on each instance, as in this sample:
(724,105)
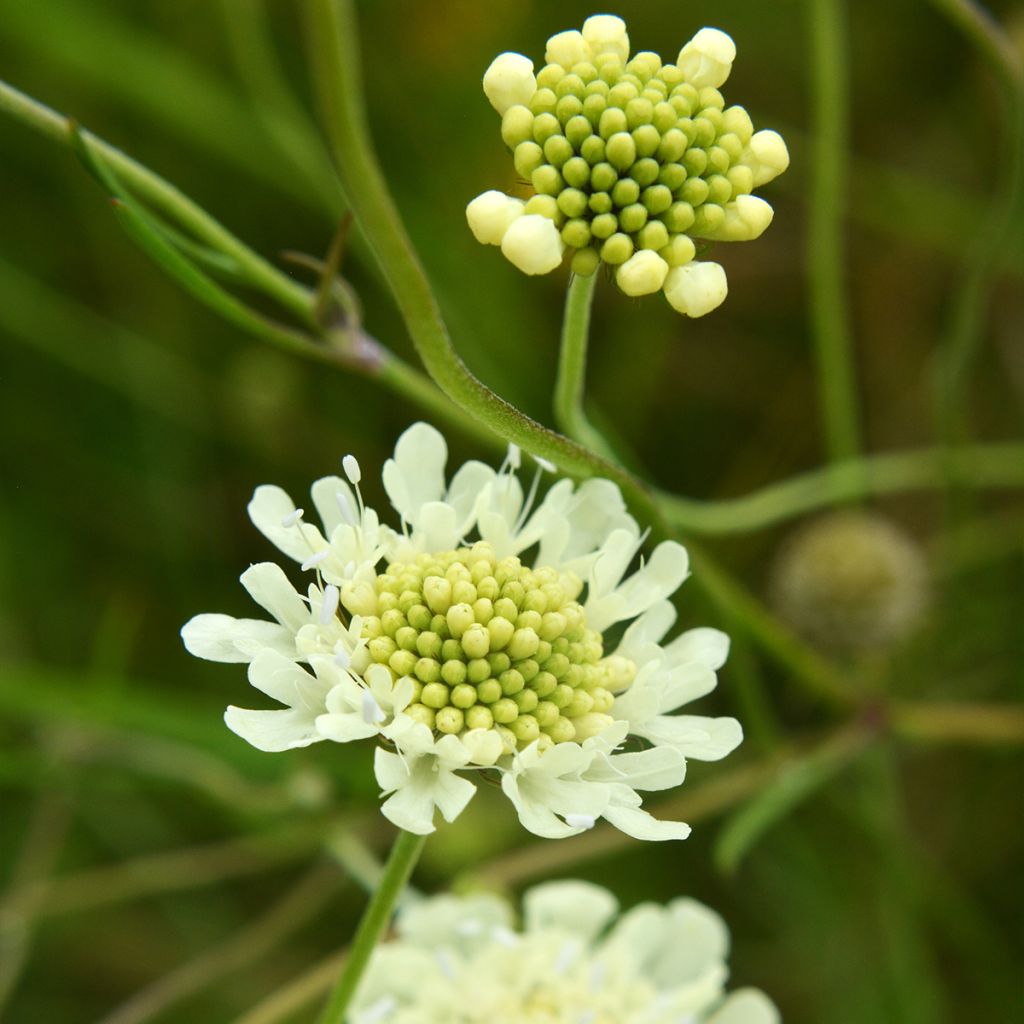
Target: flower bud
(745,219)
(533,244)
(696,288)
(642,274)
(509,80)
(707,58)
(484,744)
(606,34)
(490,214)
(767,156)
(568,49)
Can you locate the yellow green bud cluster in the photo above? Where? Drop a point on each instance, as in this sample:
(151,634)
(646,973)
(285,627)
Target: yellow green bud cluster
(490,644)
(629,160)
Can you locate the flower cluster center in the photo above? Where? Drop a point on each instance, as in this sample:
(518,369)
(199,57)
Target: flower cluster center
(628,157)
(490,644)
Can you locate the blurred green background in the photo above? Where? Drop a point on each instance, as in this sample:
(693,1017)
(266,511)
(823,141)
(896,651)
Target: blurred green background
(152,866)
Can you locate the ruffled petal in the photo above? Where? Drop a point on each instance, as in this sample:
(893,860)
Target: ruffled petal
(223,638)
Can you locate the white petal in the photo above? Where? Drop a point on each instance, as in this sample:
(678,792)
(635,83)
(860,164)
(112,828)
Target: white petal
(277,677)
(223,638)
(465,489)
(490,214)
(269,507)
(706,646)
(679,684)
(640,640)
(706,739)
(655,769)
(335,502)
(273,731)
(533,815)
(657,579)
(436,527)
(344,728)
(271,589)
(746,1006)
(636,822)
(696,288)
(533,244)
(509,81)
(415,475)
(580,908)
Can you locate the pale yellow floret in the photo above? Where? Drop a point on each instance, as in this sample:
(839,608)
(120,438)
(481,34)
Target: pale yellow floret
(746,218)
(706,59)
(509,81)
(490,214)
(605,33)
(697,288)
(767,156)
(568,49)
(642,274)
(533,244)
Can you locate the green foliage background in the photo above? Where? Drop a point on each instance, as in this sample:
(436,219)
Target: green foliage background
(136,424)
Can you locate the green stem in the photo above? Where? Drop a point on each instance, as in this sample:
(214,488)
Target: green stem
(829,309)
(984,255)
(572,367)
(334,34)
(164,196)
(979,465)
(401,861)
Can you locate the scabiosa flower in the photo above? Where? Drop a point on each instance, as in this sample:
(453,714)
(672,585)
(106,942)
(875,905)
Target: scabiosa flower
(458,960)
(632,163)
(471,638)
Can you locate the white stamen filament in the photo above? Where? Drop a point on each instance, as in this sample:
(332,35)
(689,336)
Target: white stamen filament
(329,607)
(373,713)
(584,821)
(347,512)
(315,559)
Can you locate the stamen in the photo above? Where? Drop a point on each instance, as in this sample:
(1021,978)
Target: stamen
(316,559)
(514,457)
(598,974)
(566,955)
(380,1010)
(373,713)
(546,464)
(505,937)
(584,821)
(292,519)
(341,657)
(351,466)
(444,962)
(528,504)
(329,608)
(347,512)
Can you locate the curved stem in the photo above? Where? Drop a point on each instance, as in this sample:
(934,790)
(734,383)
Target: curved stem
(147,185)
(981,466)
(829,307)
(572,367)
(403,857)
(335,57)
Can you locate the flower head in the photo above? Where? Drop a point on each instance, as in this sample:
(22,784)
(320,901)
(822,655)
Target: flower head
(458,960)
(630,162)
(472,637)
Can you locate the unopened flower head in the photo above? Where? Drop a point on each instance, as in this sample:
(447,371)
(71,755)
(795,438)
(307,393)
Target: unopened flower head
(851,582)
(471,638)
(461,960)
(630,162)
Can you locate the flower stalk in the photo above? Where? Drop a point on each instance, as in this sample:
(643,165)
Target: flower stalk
(399,867)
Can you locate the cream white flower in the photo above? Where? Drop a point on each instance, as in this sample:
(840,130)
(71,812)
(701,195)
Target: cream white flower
(629,160)
(470,638)
(457,960)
